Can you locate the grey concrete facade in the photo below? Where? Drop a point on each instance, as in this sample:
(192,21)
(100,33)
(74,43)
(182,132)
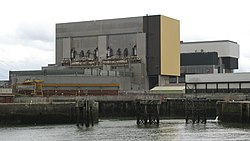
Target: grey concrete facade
(74,76)
(227,54)
(84,36)
(114,51)
(92,38)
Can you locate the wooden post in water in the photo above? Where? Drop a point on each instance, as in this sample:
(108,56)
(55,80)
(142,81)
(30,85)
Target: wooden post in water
(147,112)
(84,109)
(248,112)
(241,112)
(87,113)
(196,109)
(91,115)
(77,116)
(81,109)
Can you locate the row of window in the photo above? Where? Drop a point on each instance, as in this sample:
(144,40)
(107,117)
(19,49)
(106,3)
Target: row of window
(243,90)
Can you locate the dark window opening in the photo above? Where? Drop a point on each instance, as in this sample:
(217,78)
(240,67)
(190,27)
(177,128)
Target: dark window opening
(125,52)
(134,50)
(81,53)
(109,52)
(118,52)
(88,54)
(96,53)
(73,54)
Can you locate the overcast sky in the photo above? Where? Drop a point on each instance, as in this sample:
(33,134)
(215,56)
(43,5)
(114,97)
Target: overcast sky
(27,27)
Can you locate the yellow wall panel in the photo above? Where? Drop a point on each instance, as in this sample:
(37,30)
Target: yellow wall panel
(170,46)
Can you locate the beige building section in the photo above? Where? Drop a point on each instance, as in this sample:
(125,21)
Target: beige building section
(170,46)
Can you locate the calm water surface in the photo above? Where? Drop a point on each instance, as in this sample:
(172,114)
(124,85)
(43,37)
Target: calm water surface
(120,130)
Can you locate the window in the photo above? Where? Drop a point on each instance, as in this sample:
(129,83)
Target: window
(118,52)
(125,52)
(134,50)
(88,54)
(96,53)
(81,53)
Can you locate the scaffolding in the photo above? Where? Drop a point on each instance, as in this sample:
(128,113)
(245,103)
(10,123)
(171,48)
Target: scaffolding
(37,86)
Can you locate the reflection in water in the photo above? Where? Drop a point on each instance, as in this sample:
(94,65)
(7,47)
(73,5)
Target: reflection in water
(119,130)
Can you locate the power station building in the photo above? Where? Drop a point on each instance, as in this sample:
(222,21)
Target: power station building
(207,57)
(208,67)
(104,56)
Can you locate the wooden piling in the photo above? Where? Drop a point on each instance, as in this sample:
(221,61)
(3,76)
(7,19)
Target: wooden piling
(147,112)
(84,109)
(196,110)
(248,112)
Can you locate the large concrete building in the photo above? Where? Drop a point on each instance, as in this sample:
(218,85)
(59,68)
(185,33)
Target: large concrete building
(207,57)
(135,53)
(208,67)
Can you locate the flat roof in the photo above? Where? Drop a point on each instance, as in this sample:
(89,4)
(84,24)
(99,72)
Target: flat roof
(218,78)
(113,19)
(197,42)
(63,23)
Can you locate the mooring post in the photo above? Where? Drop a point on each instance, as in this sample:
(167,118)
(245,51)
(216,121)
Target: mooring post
(193,112)
(138,109)
(81,115)
(84,112)
(241,112)
(205,111)
(87,114)
(145,114)
(247,112)
(77,116)
(200,110)
(150,110)
(158,114)
(186,110)
(198,117)
(91,116)
(196,109)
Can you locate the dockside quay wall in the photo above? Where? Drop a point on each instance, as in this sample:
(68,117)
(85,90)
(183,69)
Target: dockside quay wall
(171,108)
(39,113)
(234,111)
(23,113)
(57,110)
(123,106)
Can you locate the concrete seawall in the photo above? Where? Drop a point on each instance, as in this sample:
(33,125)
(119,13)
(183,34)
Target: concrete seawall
(55,110)
(21,113)
(39,113)
(169,109)
(234,111)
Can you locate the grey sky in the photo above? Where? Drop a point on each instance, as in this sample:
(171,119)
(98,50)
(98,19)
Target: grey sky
(27,27)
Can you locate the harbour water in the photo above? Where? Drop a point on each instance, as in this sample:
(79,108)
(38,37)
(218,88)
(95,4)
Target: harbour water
(120,130)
